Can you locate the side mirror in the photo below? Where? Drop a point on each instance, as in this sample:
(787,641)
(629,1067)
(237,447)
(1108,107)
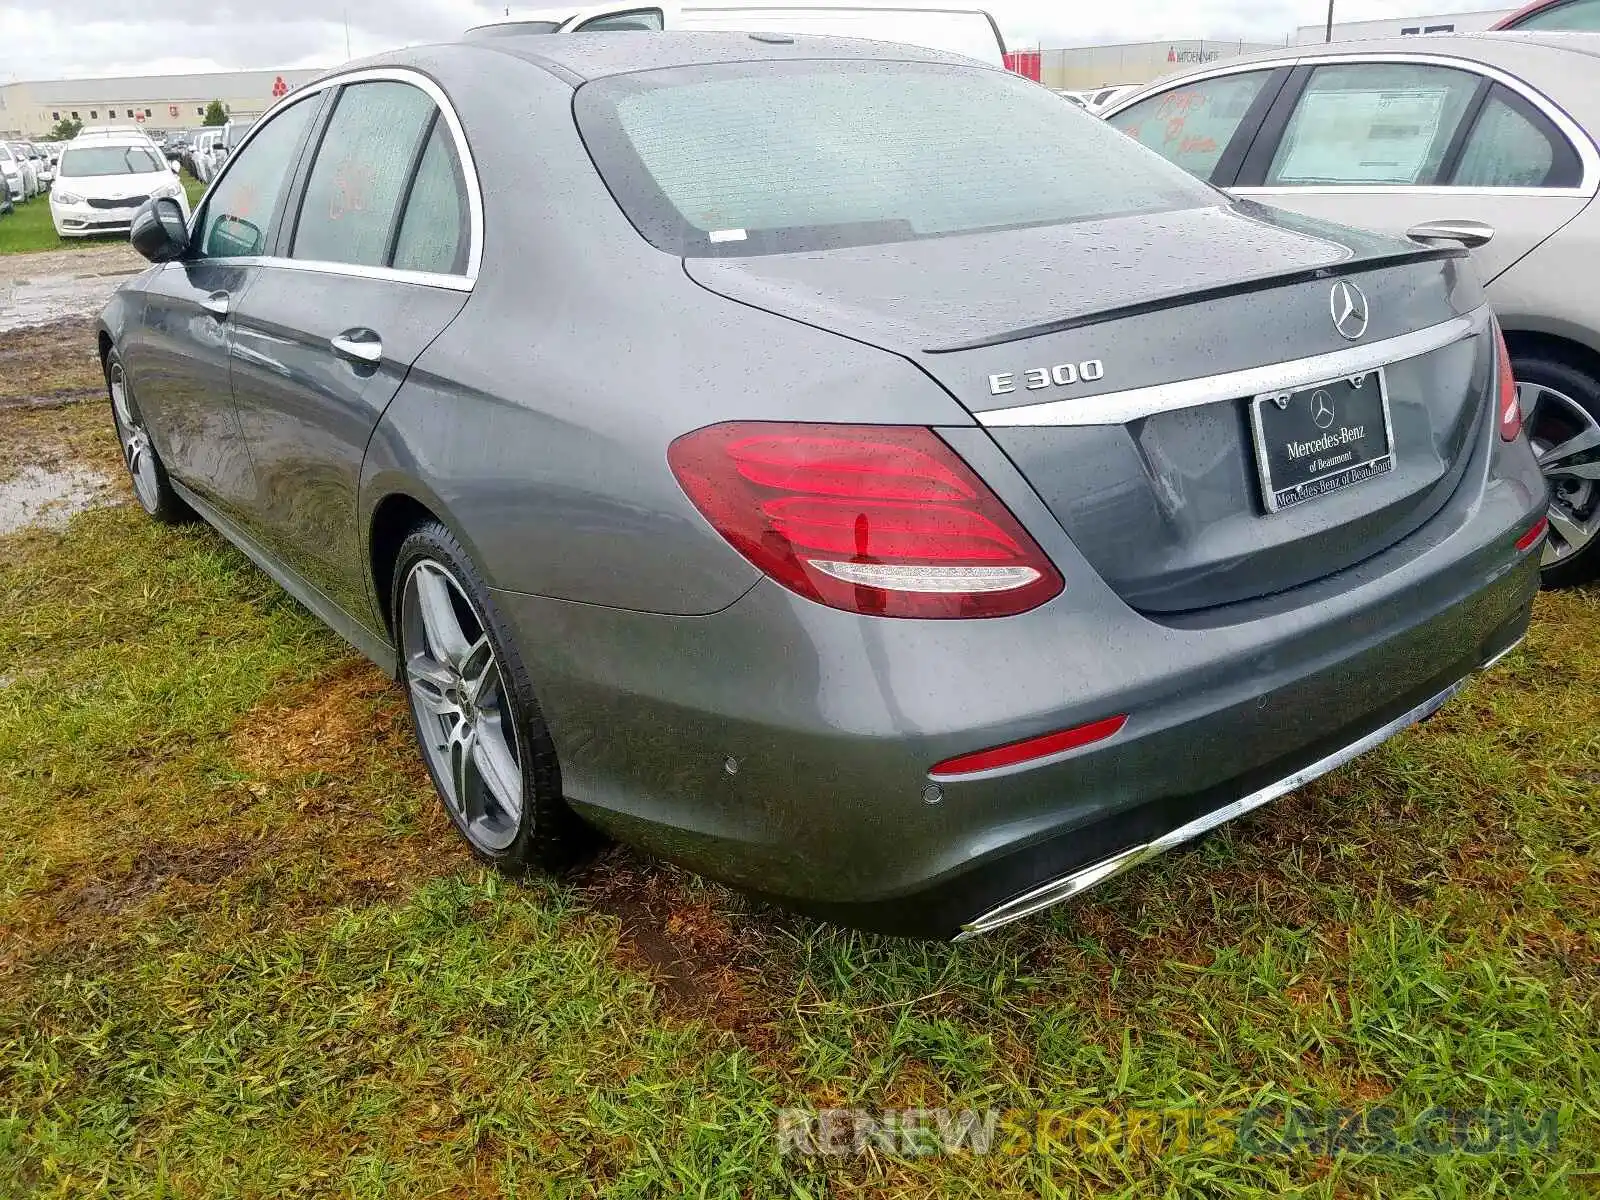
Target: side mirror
(159,232)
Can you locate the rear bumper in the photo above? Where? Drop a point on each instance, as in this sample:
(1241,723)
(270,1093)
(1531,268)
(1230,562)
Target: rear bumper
(785,747)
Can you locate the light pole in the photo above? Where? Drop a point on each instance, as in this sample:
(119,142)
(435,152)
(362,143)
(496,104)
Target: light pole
(1327,35)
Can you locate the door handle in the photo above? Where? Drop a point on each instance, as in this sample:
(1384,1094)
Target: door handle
(359,345)
(216,304)
(1470,234)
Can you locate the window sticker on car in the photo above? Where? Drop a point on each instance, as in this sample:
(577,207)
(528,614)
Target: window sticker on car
(728,235)
(1392,132)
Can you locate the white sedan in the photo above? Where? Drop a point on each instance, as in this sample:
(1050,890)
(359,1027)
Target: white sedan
(100,185)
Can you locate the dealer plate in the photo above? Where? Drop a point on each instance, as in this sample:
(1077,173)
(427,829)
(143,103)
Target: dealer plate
(1318,440)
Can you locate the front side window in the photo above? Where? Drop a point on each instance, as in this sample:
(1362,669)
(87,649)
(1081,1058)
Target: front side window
(1576,15)
(1191,125)
(360,173)
(239,211)
(88,161)
(648,19)
(767,157)
(434,232)
(1372,123)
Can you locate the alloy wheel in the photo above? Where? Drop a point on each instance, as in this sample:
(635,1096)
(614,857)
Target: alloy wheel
(136,449)
(1566,440)
(458,697)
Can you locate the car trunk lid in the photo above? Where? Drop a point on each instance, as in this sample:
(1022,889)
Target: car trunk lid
(1117,363)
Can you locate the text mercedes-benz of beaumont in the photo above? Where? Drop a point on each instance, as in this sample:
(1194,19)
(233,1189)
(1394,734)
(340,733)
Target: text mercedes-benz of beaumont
(840,468)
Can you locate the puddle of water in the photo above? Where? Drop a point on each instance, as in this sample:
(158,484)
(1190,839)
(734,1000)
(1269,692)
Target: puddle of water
(47,298)
(37,498)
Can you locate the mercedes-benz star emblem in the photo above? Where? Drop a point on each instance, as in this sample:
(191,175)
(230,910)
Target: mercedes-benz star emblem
(1321,408)
(1349,306)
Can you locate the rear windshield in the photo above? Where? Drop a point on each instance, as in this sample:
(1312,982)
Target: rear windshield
(773,157)
(86,161)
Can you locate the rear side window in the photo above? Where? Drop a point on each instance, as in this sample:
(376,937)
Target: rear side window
(360,173)
(433,233)
(1579,15)
(648,19)
(768,157)
(1372,123)
(1193,124)
(1512,145)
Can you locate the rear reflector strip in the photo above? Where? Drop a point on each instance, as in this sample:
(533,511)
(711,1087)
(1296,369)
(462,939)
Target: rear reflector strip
(1530,539)
(1042,746)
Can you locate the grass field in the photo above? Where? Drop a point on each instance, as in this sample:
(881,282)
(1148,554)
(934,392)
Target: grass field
(241,953)
(29,228)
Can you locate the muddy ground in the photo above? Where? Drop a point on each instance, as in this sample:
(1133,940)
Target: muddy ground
(50,467)
(48,303)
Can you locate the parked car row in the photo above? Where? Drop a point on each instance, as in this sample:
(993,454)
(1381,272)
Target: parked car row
(27,170)
(836,516)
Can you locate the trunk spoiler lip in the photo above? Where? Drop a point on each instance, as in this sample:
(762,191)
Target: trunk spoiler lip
(1243,287)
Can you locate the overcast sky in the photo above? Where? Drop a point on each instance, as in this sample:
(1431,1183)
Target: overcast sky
(47,39)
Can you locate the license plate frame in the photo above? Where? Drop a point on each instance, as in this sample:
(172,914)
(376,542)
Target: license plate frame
(1280,494)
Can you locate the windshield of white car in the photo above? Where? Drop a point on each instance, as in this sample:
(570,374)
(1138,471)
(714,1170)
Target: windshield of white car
(86,161)
(772,157)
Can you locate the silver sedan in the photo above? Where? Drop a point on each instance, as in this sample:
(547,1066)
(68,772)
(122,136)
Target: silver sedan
(1485,139)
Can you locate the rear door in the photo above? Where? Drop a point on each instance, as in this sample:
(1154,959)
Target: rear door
(377,261)
(1393,144)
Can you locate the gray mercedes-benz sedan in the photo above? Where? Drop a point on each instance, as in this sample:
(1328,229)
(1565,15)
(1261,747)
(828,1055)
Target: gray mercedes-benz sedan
(799,459)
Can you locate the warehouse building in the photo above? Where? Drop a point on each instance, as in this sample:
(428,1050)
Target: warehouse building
(155,102)
(1137,62)
(1349,31)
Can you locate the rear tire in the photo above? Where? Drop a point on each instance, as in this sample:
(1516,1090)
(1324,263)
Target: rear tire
(151,486)
(1561,416)
(478,726)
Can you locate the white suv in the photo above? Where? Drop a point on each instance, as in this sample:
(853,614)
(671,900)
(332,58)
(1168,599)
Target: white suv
(101,182)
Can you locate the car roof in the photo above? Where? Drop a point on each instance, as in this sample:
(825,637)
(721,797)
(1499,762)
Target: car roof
(115,139)
(585,56)
(1555,63)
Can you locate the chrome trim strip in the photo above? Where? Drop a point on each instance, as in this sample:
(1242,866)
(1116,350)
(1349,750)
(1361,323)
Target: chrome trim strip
(1086,877)
(1117,408)
(1581,142)
(1500,657)
(469,170)
(1407,189)
(456,283)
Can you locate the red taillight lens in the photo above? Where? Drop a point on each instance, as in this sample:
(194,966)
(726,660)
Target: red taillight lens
(878,519)
(1506,395)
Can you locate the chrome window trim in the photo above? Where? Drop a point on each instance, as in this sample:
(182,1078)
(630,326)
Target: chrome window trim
(1588,155)
(1405,189)
(469,169)
(1118,408)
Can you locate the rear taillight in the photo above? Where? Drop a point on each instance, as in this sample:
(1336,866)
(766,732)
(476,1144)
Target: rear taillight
(1510,407)
(879,519)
